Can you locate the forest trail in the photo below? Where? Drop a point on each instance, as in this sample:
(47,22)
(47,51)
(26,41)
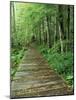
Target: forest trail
(35,78)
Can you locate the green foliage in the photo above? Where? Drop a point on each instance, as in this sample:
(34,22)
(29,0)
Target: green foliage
(16,56)
(27,16)
(62,63)
(43,21)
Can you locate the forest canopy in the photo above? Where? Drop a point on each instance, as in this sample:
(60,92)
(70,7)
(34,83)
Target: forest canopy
(51,27)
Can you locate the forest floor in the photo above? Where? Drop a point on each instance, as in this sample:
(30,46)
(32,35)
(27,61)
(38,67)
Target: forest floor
(34,78)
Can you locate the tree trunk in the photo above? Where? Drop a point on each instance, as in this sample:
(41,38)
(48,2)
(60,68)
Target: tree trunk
(48,31)
(45,31)
(49,28)
(61,42)
(68,22)
(13,17)
(55,32)
(61,26)
(39,34)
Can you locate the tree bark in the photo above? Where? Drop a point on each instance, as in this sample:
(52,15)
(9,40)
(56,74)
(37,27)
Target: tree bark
(13,17)
(55,32)
(48,30)
(61,42)
(39,34)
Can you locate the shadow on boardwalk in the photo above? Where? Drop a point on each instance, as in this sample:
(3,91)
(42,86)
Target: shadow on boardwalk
(34,78)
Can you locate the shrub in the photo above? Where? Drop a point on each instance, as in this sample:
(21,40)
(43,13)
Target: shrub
(62,63)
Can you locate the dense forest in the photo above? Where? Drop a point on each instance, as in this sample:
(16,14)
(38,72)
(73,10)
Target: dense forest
(51,28)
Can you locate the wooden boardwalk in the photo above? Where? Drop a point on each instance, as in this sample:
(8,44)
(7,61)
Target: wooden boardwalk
(34,78)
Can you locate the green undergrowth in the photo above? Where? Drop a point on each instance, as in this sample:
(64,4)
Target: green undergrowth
(62,63)
(16,56)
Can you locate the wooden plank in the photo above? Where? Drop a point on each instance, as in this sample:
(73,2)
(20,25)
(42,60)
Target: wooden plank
(35,78)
